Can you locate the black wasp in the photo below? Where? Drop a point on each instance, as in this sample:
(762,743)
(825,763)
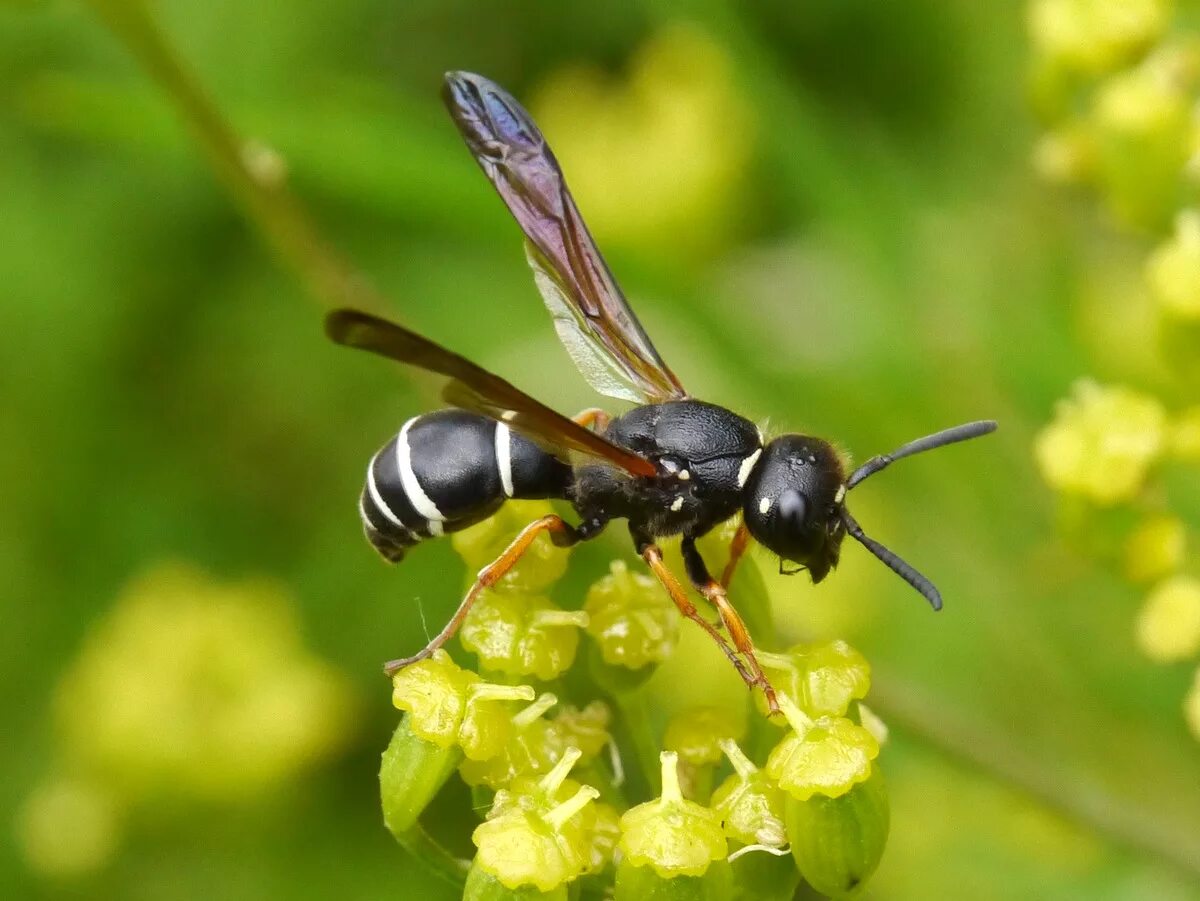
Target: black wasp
(672,465)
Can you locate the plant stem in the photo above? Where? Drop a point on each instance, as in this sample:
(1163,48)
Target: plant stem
(253,173)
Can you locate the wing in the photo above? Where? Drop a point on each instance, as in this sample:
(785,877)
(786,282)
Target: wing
(591,315)
(474,388)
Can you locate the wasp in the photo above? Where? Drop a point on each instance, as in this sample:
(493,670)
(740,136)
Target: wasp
(671,465)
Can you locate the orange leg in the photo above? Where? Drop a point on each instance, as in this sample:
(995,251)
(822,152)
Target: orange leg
(715,594)
(562,533)
(737,548)
(653,557)
(593,418)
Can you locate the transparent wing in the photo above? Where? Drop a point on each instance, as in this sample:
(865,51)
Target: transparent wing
(592,317)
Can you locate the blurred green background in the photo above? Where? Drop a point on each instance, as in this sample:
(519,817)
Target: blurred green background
(824,214)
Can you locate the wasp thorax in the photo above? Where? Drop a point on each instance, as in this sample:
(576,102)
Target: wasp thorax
(793,502)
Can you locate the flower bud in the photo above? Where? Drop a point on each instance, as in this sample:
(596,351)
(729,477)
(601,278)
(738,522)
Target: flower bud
(1155,548)
(540,566)
(837,842)
(533,837)
(631,619)
(529,749)
(1102,442)
(749,803)
(826,756)
(448,705)
(522,635)
(1168,626)
(821,678)
(1173,270)
(670,836)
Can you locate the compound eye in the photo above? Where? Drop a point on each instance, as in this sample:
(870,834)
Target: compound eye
(793,508)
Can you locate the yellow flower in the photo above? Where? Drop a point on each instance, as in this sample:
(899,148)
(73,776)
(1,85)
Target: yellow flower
(1174,269)
(1155,548)
(193,687)
(1143,125)
(68,827)
(1102,442)
(1095,36)
(1168,625)
(654,161)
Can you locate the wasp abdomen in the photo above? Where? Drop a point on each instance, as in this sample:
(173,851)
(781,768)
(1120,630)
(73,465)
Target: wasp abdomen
(447,470)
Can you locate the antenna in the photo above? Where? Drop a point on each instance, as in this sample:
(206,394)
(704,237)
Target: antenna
(929,442)
(883,461)
(893,562)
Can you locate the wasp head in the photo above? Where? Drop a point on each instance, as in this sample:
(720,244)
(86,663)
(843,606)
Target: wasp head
(793,502)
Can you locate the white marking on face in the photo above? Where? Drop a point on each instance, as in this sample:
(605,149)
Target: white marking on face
(378,501)
(684,475)
(747,467)
(412,488)
(677,505)
(504,457)
(670,465)
(764,505)
(841,493)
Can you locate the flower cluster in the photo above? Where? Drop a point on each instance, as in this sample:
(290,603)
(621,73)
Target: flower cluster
(188,691)
(580,788)
(1118,85)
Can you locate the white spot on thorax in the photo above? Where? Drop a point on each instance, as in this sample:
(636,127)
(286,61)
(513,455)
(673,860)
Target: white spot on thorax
(508,415)
(747,467)
(684,475)
(677,504)
(504,457)
(412,488)
(841,493)
(764,505)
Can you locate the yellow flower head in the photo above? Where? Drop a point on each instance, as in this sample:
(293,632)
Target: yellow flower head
(1174,269)
(1168,626)
(653,161)
(1095,36)
(194,687)
(1102,442)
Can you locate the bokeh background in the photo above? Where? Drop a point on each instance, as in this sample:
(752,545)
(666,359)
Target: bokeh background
(825,214)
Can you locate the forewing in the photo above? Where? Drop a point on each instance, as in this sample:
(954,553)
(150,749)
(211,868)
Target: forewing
(602,335)
(474,388)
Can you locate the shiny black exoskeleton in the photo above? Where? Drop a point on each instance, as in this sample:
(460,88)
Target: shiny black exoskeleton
(671,465)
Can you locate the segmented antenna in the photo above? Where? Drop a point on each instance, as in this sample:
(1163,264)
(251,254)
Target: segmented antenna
(929,442)
(893,562)
(883,461)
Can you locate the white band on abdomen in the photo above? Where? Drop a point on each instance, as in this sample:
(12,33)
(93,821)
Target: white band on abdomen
(412,488)
(504,457)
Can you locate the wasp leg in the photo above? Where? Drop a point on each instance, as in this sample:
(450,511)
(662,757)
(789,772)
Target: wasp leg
(653,556)
(593,418)
(737,548)
(714,593)
(562,533)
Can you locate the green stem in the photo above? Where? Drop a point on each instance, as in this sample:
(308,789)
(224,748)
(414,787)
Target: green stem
(433,857)
(635,713)
(253,174)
